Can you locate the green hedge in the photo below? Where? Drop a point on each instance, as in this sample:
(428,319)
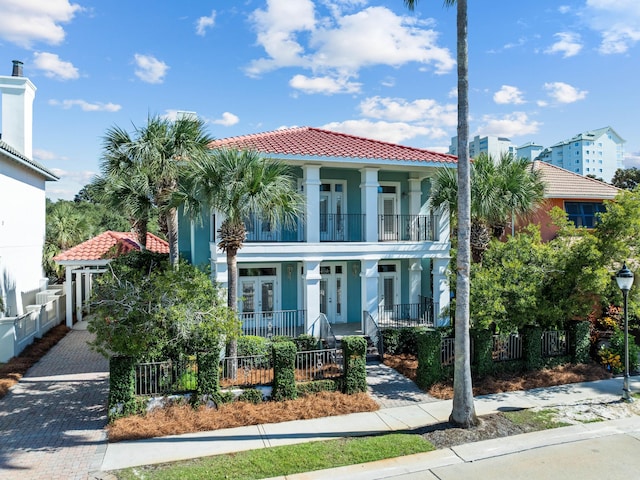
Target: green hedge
(306,342)
(251,395)
(391,340)
(429,346)
(249,345)
(579,341)
(284,359)
(483,351)
(209,375)
(532,348)
(355,362)
(121,386)
(316,386)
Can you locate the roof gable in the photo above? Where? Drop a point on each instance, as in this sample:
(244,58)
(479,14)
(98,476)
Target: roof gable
(109,244)
(315,142)
(561,183)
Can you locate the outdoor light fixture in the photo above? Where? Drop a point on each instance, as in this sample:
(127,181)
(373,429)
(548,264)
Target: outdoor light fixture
(625,281)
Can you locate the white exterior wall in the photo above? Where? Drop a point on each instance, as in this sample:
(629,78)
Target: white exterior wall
(22,231)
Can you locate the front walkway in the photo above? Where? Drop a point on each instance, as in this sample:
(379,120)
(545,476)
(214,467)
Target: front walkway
(391,389)
(52,422)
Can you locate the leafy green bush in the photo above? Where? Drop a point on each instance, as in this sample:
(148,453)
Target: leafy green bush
(616,345)
(429,346)
(251,395)
(147,310)
(316,386)
(249,345)
(121,386)
(306,342)
(355,362)
(408,339)
(284,383)
(391,340)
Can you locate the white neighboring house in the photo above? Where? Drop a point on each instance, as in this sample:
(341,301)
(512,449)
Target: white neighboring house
(22,216)
(492,146)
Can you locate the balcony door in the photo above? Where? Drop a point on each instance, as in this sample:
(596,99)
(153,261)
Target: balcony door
(332,210)
(333,286)
(388,210)
(258,297)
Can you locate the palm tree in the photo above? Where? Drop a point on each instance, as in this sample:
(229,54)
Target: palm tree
(463,413)
(500,192)
(240,184)
(156,152)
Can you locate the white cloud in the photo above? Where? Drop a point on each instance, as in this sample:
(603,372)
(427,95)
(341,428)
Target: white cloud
(564,93)
(632,159)
(83,176)
(46,155)
(568,44)
(326,85)
(508,95)
(422,112)
(564,9)
(618,22)
(25,22)
(149,69)
(53,67)
(204,23)
(86,106)
(173,115)
(393,132)
(338,45)
(512,125)
(228,119)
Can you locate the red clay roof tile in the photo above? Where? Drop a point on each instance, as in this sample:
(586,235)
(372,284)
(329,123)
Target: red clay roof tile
(98,248)
(316,142)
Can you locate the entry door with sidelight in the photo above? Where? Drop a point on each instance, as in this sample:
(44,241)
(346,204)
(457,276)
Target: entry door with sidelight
(333,292)
(258,299)
(388,290)
(332,209)
(388,208)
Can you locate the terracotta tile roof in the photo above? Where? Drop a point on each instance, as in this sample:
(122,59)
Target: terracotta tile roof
(104,245)
(316,142)
(561,183)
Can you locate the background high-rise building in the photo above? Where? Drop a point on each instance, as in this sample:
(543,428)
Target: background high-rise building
(493,146)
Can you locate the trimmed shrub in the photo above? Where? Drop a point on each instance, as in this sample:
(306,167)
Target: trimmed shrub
(121,386)
(579,341)
(408,339)
(309,388)
(249,345)
(391,340)
(532,346)
(306,342)
(483,351)
(251,395)
(209,374)
(429,346)
(355,355)
(284,359)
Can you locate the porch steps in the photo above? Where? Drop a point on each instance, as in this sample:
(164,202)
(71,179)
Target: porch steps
(372,351)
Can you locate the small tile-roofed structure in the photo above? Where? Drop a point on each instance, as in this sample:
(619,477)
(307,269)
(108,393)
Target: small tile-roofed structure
(309,142)
(101,247)
(90,258)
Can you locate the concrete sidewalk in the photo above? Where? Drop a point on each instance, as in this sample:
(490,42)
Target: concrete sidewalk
(182,447)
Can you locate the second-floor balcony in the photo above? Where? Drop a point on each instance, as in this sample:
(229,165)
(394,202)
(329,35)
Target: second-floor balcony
(342,227)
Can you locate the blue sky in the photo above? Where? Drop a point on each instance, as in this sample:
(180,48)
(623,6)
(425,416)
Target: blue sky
(540,70)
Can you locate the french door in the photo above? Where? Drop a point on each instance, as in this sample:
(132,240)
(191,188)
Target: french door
(332,209)
(333,292)
(388,289)
(388,208)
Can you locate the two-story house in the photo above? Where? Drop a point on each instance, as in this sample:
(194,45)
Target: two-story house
(369,247)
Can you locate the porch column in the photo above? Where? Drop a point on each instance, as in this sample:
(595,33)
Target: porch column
(78,295)
(442,224)
(87,291)
(415,281)
(311,187)
(68,287)
(441,293)
(311,296)
(415,205)
(369,194)
(369,283)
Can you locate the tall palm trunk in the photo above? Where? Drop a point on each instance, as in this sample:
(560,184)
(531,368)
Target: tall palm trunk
(172,235)
(463,413)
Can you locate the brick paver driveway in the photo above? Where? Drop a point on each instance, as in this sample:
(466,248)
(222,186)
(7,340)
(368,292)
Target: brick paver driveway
(52,422)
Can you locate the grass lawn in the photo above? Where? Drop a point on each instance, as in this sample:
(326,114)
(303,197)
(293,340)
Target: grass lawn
(285,460)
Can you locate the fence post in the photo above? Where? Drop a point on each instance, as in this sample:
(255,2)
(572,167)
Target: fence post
(579,341)
(532,348)
(429,358)
(483,351)
(355,364)
(284,375)
(121,385)
(209,374)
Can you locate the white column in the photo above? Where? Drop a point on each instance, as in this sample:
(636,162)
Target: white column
(311,282)
(369,194)
(415,205)
(87,292)
(441,293)
(369,282)
(415,281)
(78,296)
(442,224)
(311,187)
(222,276)
(68,285)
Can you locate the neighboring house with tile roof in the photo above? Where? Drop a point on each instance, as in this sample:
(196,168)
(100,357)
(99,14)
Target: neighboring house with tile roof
(580,197)
(90,257)
(370,246)
(22,198)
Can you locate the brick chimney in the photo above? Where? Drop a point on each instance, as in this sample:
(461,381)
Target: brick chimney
(17,110)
